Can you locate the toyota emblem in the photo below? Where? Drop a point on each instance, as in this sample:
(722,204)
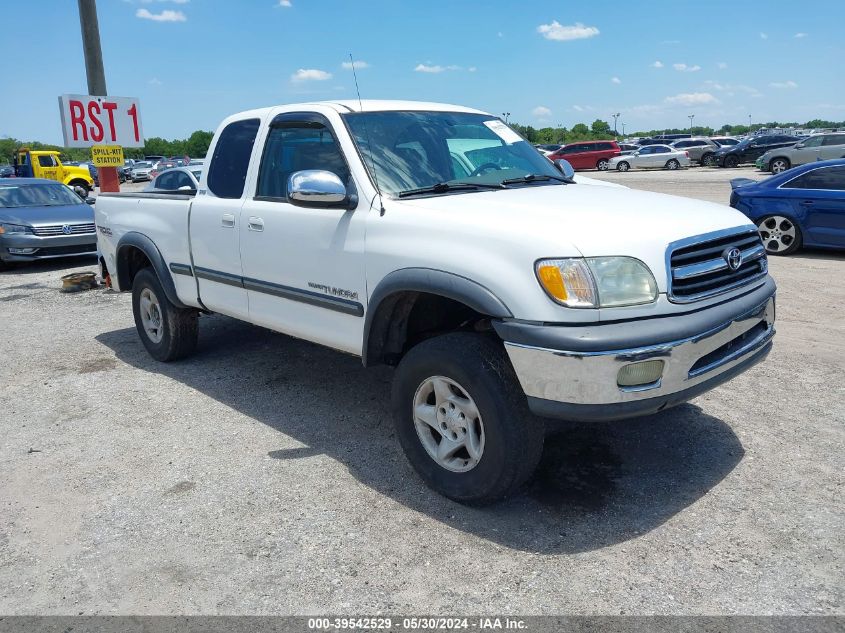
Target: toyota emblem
(66,229)
(733,258)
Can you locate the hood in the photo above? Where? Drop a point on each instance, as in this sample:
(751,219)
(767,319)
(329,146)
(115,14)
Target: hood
(572,220)
(39,216)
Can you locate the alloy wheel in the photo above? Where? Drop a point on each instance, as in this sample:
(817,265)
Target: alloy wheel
(448,424)
(778,233)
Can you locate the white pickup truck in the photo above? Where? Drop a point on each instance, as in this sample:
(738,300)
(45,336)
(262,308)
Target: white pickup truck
(435,239)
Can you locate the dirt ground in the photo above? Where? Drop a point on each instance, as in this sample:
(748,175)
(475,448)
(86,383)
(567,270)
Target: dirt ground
(261,476)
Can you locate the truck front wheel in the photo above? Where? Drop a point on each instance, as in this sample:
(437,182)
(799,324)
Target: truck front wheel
(462,419)
(168,332)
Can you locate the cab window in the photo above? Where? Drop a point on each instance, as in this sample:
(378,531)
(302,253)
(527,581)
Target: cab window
(293,146)
(227,174)
(47,161)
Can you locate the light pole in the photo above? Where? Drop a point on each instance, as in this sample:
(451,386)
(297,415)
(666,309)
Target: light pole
(615,116)
(623,129)
(749,124)
(506,115)
(690,117)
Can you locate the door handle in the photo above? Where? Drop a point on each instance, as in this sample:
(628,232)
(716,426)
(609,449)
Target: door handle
(255,224)
(228,220)
(807,203)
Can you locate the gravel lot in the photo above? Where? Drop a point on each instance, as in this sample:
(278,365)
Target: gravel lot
(262,476)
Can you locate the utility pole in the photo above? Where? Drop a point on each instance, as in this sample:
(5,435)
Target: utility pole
(615,131)
(96,75)
(690,117)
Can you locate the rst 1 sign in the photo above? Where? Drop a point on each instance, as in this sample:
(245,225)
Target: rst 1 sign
(88,121)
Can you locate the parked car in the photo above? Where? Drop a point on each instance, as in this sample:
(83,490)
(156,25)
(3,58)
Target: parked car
(804,206)
(588,154)
(433,238)
(548,149)
(176,178)
(811,149)
(724,141)
(750,149)
(43,219)
(140,171)
(160,166)
(651,156)
(699,149)
(627,148)
(7,171)
(644,142)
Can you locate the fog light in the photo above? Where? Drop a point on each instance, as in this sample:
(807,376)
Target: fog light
(638,374)
(22,251)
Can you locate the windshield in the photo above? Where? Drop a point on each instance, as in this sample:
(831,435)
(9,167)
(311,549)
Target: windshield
(142,165)
(13,196)
(417,150)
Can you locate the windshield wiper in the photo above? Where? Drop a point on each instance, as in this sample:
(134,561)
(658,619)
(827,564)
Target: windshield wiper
(443,187)
(533,178)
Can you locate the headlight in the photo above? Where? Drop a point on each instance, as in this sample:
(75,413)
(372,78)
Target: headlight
(597,282)
(14,228)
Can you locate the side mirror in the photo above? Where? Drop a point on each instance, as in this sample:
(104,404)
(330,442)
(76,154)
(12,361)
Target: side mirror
(799,146)
(318,188)
(90,200)
(566,169)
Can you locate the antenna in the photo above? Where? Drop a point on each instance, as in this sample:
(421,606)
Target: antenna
(367,134)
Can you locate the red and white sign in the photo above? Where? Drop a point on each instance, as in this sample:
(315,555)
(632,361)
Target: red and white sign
(88,121)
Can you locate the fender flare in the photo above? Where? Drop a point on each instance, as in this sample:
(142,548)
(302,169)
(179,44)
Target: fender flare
(69,179)
(432,281)
(148,247)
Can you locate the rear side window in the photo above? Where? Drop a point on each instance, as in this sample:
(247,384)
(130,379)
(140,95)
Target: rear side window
(227,174)
(834,139)
(824,178)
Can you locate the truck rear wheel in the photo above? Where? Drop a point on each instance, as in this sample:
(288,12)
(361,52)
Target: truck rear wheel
(462,418)
(168,332)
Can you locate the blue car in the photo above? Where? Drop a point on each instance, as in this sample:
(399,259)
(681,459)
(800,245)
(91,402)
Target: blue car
(803,206)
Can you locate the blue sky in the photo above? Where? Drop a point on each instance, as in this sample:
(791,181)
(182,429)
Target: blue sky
(192,62)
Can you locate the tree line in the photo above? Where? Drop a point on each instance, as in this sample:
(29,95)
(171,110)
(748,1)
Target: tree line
(195,146)
(602,130)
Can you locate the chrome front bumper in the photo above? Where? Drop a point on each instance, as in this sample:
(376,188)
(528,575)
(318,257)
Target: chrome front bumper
(583,384)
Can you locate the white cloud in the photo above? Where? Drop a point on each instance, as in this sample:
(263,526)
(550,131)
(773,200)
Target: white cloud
(764,36)
(287,4)
(798,36)
(310,74)
(683,68)
(722,65)
(692,99)
(784,84)
(430,68)
(500,34)
(426,68)
(472,69)
(359,65)
(562,33)
(541,112)
(168,15)
(155,81)
(577,108)
(615,80)
(657,64)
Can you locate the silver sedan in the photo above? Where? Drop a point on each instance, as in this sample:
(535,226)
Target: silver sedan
(651,157)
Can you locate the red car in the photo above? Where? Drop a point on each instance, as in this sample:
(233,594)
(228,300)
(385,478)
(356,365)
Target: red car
(588,154)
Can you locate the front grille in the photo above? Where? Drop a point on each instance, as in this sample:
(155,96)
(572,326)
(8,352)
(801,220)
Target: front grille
(77,249)
(56,229)
(699,269)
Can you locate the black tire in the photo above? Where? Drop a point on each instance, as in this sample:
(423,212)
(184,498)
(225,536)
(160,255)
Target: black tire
(623,166)
(603,164)
(81,184)
(673,164)
(776,243)
(779,165)
(707,160)
(179,327)
(731,162)
(513,437)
